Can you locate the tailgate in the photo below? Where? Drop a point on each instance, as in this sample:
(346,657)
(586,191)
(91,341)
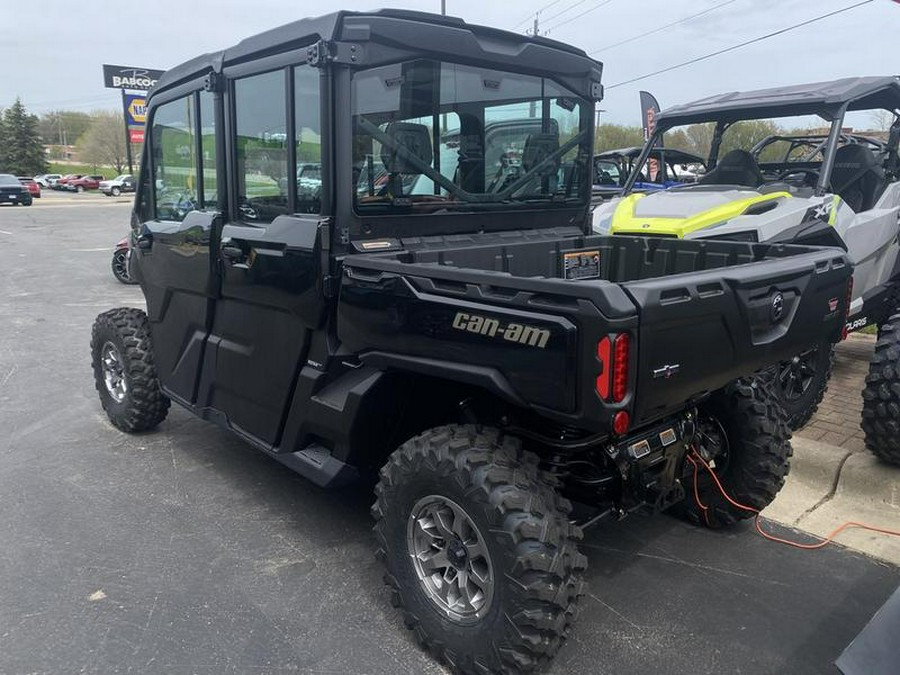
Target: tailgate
(698,331)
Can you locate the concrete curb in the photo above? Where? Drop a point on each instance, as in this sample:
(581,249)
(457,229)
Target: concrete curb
(829,485)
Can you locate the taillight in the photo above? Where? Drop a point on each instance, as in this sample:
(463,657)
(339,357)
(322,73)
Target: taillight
(621,348)
(613,355)
(621,422)
(845,330)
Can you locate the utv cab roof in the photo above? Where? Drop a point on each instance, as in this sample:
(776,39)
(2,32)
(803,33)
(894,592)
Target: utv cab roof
(671,154)
(818,98)
(391,35)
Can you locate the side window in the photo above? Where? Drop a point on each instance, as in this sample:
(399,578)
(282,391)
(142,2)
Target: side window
(261,147)
(308,140)
(174,163)
(208,148)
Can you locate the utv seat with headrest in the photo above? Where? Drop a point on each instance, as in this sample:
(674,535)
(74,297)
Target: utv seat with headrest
(737,167)
(857,177)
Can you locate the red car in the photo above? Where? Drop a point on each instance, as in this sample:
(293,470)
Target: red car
(84,183)
(61,183)
(33,187)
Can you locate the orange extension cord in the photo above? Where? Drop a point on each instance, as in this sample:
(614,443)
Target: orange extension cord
(694,457)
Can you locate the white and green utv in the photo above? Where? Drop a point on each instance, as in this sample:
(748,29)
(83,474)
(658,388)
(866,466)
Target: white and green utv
(763,185)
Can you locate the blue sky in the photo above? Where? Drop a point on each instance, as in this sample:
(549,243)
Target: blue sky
(60,46)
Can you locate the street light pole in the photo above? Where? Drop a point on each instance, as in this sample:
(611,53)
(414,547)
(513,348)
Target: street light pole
(443,7)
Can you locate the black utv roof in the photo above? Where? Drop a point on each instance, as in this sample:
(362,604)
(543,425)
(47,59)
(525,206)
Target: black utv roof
(672,154)
(390,35)
(817,98)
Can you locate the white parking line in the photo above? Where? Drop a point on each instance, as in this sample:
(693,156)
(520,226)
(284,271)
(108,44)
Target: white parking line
(91,250)
(5,232)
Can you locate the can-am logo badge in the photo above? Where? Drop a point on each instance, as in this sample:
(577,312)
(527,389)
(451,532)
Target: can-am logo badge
(511,332)
(833,305)
(777,310)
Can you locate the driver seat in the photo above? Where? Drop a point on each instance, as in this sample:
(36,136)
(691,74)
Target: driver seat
(857,178)
(737,167)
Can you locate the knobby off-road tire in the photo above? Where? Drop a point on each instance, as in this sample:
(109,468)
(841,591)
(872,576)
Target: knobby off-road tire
(124,371)
(800,384)
(758,454)
(881,395)
(527,545)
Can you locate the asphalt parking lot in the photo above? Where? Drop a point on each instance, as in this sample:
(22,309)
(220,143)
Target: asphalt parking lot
(185,551)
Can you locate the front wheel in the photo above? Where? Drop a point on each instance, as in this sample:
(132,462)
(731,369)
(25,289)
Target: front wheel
(742,435)
(79,189)
(479,550)
(125,372)
(881,396)
(115,191)
(801,382)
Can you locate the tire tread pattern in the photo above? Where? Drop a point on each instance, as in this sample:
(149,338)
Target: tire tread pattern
(546,577)
(145,405)
(881,395)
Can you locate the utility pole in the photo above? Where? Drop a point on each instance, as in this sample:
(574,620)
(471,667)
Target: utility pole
(443,7)
(532,109)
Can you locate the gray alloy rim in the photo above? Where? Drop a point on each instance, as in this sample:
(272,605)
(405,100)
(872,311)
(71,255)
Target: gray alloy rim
(796,375)
(450,558)
(113,372)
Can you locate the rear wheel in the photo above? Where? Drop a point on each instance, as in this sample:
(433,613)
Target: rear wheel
(744,438)
(479,550)
(800,383)
(124,370)
(881,396)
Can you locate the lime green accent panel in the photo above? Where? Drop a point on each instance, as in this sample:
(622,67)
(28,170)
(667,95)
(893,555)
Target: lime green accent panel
(625,222)
(835,202)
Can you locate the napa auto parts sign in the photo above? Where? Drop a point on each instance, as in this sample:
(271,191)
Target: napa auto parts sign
(129,77)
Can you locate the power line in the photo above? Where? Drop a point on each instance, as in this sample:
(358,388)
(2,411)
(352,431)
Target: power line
(579,15)
(567,9)
(542,9)
(661,28)
(742,44)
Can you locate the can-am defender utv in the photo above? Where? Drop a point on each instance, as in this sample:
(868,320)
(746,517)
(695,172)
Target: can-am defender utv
(437,314)
(840,189)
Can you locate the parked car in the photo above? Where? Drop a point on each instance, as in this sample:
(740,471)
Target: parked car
(91,182)
(33,186)
(474,349)
(46,180)
(60,183)
(12,191)
(118,185)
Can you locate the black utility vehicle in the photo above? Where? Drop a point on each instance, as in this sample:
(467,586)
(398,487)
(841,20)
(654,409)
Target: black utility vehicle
(443,322)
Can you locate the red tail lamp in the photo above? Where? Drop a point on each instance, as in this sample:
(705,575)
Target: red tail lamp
(621,422)
(621,348)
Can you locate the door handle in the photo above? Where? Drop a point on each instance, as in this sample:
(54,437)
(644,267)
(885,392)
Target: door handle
(233,253)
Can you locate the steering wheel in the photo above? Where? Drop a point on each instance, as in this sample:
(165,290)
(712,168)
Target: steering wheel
(810,176)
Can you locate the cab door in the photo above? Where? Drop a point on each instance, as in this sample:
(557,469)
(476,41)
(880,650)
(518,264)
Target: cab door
(269,252)
(175,222)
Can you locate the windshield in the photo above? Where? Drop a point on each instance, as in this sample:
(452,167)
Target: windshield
(438,136)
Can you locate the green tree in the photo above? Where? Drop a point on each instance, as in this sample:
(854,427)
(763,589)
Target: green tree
(615,136)
(21,147)
(104,141)
(63,127)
